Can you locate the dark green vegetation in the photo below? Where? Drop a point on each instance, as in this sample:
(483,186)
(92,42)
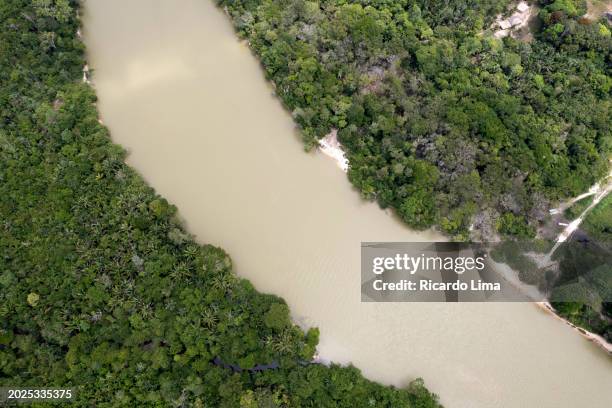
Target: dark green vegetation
(441,121)
(583,294)
(579,283)
(100,287)
(580,288)
(598,222)
(589,311)
(586,273)
(578,208)
(513,254)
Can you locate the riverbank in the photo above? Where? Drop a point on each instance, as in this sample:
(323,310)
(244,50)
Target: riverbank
(533,293)
(599,191)
(99,273)
(592,337)
(240,177)
(331,147)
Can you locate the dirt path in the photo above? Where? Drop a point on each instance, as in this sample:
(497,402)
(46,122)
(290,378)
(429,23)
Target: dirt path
(600,190)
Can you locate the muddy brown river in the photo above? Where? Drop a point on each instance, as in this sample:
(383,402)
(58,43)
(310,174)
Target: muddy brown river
(191,105)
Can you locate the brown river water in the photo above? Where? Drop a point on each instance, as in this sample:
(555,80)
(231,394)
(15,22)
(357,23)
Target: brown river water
(191,105)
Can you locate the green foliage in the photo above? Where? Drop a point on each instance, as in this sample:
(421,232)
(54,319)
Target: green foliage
(312,339)
(598,222)
(511,224)
(568,7)
(503,126)
(101,289)
(418,210)
(512,253)
(277,317)
(583,289)
(586,273)
(578,208)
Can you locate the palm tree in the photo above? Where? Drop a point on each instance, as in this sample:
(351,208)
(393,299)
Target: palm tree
(223,282)
(209,319)
(283,343)
(192,250)
(181,270)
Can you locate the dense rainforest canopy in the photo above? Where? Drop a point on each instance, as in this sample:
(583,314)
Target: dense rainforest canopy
(440,119)
(101,289)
